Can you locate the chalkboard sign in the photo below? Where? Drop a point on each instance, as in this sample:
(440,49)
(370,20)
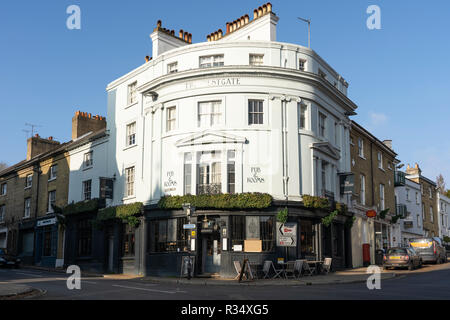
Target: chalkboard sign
(187,266)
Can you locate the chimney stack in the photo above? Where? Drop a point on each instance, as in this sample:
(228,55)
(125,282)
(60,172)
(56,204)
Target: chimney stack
(413,171)
(37,145)
(83,123)
(388,143)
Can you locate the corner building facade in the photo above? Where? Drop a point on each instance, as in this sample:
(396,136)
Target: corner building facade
(240,113)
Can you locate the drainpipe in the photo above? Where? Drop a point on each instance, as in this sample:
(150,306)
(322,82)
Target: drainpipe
(38,171)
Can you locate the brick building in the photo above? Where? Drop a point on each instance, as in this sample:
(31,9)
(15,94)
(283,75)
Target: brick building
(29,191)
(373,164)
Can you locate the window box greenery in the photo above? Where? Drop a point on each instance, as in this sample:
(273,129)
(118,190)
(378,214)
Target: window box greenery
(218,201)
(127,213)
(82,206)
(314,202)
(383,213)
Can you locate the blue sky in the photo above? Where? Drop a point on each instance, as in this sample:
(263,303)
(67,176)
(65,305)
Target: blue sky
(399,76)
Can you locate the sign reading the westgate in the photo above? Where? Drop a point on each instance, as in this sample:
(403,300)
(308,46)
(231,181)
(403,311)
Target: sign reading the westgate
(218,83)
(224,82)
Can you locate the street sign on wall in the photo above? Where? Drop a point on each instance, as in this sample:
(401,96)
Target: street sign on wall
(286,234)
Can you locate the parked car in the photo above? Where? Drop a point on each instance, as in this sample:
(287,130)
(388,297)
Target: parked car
(7,260)
(401,258)
(430,249)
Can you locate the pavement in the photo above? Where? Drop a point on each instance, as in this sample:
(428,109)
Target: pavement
(340,277)
(18,289)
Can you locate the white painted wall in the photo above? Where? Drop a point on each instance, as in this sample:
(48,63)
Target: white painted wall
(414,209)
(78,173)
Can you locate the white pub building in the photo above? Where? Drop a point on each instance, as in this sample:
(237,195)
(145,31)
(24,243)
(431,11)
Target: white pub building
(238,113)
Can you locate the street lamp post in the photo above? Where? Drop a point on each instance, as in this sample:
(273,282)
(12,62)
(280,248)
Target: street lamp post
(308,21)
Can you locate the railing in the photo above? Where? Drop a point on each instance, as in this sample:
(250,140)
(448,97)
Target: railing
(399,178)
(401,210)
(209,188)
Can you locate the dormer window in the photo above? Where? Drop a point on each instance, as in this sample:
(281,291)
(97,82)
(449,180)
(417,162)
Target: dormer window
(172,67)
(302,64)
(256,59)
(322,74)
(211,61)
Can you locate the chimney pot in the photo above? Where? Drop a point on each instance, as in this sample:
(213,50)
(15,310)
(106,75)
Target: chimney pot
(147,59)
(220,33)
(246,18)
(190,37)
(159,24)
(269,7)
(264,9)
(228,28)
(255,14)
(260,12)
(186,35)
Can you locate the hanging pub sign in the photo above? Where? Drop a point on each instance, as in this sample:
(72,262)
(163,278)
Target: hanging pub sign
(347,183)
(106,188)
(371,214)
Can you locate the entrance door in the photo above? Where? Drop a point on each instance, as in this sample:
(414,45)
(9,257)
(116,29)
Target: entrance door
(211,249)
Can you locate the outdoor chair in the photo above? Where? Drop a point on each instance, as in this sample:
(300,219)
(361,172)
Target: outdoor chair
(238,268)
(266,269)
(278,272)
(327,265)
(290,269)
(298,267)
(308,270)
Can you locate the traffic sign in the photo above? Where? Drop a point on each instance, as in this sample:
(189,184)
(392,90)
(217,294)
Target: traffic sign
(188,226)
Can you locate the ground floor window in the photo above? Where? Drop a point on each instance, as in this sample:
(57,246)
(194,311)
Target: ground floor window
(252,228)
(168,235)
(84,235)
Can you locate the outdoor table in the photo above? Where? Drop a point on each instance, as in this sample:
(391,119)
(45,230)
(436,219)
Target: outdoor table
(317,265)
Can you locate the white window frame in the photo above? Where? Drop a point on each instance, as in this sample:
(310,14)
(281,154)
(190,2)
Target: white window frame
(382,197)
(362,190)
(49,202)
(53,172)
(128,142)
(172,67)
(210,113)
(256,113)
(256,59)
(28,181)
(27,208)
(303,110)
(216,60)
(380,160)
(130,187)
(322,125)
(87,191)
(88,160)
(171,123)
(132,93)
(361,148)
